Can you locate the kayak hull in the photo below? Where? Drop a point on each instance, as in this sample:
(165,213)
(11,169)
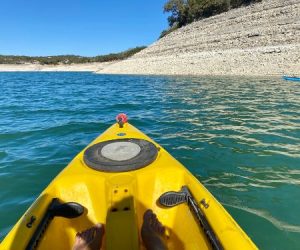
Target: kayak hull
(119,200)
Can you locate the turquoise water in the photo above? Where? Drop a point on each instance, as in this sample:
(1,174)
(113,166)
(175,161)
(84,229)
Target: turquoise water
(239,136)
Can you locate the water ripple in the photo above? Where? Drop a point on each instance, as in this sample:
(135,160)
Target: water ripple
(239,136)
(264,214)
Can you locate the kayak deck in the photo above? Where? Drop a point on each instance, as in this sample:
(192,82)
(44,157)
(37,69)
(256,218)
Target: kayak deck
(119,200)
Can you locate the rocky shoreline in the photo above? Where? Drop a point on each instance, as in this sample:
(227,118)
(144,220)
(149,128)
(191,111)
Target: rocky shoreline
(56,68)
(261,39)
(258,40)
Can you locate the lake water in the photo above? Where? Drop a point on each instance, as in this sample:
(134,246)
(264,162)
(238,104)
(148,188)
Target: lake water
(239,136)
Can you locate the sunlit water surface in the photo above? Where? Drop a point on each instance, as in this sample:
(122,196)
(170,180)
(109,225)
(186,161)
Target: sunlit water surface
(239,136)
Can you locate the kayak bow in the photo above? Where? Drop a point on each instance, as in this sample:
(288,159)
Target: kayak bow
(291,78)
(114,180)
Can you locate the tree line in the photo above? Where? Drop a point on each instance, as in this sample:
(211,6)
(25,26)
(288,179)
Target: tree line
(183,12)
(68,59)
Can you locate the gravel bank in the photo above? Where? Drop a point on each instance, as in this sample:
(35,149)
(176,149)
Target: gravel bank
(61,67)
(260,39)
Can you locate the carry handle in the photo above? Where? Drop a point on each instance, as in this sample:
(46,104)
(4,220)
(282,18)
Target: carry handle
(172,198)
(55,208)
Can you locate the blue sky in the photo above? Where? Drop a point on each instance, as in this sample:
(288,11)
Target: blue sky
(81,27)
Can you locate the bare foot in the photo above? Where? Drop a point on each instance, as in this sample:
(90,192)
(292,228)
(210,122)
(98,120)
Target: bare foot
(152,232)
(90,239)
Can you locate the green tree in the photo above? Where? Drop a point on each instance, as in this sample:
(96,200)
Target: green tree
(183,12)
(179,12)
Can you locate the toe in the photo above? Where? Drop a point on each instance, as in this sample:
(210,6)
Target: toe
(99,229)
(148,214)
(162,230)
(78,238)
(90,234)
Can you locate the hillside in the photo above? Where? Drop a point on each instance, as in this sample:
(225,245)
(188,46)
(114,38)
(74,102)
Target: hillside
(68,59)
(260,39)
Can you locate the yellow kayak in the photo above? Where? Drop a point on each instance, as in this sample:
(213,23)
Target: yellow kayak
(113,181)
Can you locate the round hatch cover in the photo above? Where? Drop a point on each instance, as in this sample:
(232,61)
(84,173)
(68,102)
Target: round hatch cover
(120,155)
(120,150)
